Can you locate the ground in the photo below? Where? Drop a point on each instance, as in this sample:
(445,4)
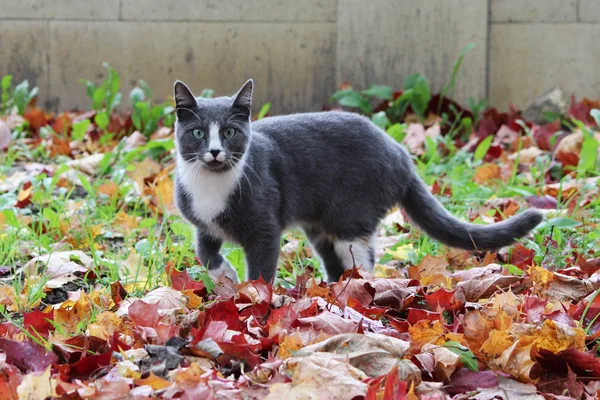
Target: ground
(101,295)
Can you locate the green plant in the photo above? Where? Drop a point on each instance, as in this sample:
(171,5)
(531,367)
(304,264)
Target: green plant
(449,88)
(15,98)
(363,99)
(106,96)
(146,117)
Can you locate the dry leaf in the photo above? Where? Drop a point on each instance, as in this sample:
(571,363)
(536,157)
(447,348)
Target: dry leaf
(322,374)
(486,173)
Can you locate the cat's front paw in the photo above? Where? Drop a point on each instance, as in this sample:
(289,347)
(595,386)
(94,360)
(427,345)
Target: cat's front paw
(224,268)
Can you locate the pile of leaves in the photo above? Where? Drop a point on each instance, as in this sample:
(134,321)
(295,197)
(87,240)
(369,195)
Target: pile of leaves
(101,295)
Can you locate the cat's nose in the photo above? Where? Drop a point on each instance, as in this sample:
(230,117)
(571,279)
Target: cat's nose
(214,152)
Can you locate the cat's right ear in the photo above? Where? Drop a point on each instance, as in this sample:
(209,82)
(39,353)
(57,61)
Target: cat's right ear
(184,98)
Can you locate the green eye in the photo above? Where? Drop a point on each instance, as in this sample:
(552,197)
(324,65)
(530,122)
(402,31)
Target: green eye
(198,134)
(229,132)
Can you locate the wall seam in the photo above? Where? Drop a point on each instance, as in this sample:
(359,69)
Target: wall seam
(488,46)
(48,75)
(336,46)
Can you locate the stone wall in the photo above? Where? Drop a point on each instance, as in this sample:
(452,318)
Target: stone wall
(299,51)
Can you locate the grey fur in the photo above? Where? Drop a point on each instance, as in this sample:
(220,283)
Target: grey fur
(335,174)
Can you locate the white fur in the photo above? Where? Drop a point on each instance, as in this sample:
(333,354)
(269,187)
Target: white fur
(224,268)
(360,249)
(214,143)
(209,190)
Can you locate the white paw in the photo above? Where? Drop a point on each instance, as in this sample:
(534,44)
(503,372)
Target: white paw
(224,268)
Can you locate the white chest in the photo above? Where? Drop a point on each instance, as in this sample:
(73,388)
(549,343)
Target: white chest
(209,191)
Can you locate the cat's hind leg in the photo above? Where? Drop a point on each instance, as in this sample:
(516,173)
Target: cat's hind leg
(359,252)
(336,254)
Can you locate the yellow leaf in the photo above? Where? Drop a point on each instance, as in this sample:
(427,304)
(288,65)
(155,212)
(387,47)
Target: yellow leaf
(386,271)
(540,276)
(290,343)
(424,332)
(35,386)
(517,360)
(126,222)
(70,313)
(8,298)
(556,337)
(105,325)
(402,252)
(496,344)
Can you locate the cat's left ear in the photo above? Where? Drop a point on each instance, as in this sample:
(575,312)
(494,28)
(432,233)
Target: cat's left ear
(243,98)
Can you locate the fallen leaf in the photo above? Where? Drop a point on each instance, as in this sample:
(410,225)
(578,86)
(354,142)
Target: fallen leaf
(431,271)
(71,313)
(372,353)
(446,362)
(36,386)
(486,173)
(155,382)
(28,356)
(518,360)
(318,373)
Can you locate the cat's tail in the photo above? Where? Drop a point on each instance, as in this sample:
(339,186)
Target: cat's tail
(425,211)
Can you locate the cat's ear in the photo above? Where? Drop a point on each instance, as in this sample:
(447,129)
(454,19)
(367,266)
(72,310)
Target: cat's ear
(243,98)
(184,98)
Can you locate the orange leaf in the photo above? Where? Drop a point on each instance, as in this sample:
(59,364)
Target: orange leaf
(486,173)
(110,189)
(517,360)
(424,332)
(290,343)
(431,271)
(193,300)
(155,382)
(71,313)
(496,344)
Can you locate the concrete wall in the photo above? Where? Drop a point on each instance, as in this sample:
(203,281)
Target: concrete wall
(299,51)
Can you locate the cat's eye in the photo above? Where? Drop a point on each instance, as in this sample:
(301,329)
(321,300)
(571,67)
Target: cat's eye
(229,132)
(198,133)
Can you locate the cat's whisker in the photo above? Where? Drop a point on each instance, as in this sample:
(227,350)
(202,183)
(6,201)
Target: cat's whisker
(235,115)
(251,169)
(249,183)
(187,109)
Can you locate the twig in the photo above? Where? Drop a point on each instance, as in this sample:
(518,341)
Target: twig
(349,279)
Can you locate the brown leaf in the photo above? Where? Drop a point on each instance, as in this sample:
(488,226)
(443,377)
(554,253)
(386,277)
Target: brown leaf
(559,287)
(318,373)
(478,288)
(446,361)
(431,271)
(486,173)
(374,354)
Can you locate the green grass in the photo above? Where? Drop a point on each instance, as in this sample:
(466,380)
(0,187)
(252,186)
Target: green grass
(89,222)
(72,210)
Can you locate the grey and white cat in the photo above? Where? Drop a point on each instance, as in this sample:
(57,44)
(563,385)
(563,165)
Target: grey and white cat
(335,174)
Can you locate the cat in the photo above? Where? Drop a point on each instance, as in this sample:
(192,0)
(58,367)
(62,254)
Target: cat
(334,174)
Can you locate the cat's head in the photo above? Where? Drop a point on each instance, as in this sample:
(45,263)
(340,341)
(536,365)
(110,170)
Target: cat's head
(212,133)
